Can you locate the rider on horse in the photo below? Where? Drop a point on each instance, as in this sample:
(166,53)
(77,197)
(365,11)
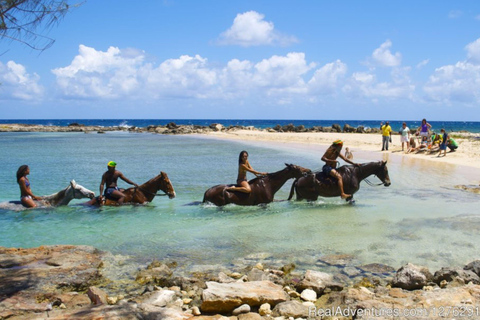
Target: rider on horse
(330,158)
(109,178)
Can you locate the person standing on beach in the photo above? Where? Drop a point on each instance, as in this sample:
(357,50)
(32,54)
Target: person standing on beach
(109,179)
(405,135)
(26,195)
(443,145)
(386,134)
(330,158)
(424,128)
(243,167)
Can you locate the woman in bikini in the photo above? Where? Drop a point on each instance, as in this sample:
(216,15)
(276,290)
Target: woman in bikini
(26,195)
(243,167)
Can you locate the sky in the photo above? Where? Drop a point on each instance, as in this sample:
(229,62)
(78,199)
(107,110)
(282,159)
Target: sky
(278,59)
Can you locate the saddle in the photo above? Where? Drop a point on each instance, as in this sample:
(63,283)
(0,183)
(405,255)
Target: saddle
(322,178)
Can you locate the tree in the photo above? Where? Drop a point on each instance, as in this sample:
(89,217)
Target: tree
(19,20)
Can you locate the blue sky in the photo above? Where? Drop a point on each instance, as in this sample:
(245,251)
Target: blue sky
(397,60)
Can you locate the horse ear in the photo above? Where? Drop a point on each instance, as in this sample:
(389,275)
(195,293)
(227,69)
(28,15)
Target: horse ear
(73,183)
(384,163)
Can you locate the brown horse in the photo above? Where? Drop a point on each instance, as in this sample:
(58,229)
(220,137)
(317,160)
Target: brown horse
(263,188)
(143,193)
(315,185)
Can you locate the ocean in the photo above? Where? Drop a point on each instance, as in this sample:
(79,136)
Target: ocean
(421,218)
(449,126)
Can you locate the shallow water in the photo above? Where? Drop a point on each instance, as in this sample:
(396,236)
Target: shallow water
(420,218)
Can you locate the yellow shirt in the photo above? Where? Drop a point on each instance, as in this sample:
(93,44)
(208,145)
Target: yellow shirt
(386,130)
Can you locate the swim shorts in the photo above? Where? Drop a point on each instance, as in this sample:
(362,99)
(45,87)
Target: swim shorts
(108,193)
(327,169)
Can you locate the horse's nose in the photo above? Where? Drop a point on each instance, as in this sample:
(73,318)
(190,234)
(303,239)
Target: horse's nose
(387,183)
(172,195)
(91,195)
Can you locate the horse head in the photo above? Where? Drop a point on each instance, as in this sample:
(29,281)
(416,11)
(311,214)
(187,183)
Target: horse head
(166,185)
(382,174)
(80,192)
(298,171)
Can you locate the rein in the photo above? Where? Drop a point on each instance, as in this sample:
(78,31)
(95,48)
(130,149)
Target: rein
(372,184)
(151,193)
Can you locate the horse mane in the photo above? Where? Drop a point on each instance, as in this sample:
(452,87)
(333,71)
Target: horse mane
(254,180)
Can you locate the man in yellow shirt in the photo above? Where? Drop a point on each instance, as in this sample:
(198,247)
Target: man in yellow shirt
(386,134)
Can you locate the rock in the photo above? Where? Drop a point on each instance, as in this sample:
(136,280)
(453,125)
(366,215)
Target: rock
(348,128)
(308,295)
(411,277)
(472,266)
(336,259)
(449,274)
(97,296)
(249,316)
(293,309)
(377,268)
(158,274)
(318,282)
(216,127)
(196,311)
(360,129)
(160,298)
(265,309)
(224,297)
(336,127)
(244,308)
(112,300)
(172,125)
(223,278)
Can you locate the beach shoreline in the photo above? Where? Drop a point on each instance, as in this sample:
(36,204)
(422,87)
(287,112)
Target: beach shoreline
(467,154)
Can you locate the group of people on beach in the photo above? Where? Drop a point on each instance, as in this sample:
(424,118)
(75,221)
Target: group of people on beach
(427,140)
(110,190)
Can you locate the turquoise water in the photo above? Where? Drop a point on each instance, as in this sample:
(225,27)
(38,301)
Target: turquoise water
(420,218)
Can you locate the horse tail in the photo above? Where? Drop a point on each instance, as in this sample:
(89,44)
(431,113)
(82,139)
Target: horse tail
(292,189)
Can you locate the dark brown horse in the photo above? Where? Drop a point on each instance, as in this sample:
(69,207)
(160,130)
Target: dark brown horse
(263,189)
(315,185)
(143,193)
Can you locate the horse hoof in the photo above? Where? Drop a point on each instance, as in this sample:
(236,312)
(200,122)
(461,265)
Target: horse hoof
(350,199)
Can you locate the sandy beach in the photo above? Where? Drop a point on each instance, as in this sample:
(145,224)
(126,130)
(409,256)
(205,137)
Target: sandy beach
(467,153)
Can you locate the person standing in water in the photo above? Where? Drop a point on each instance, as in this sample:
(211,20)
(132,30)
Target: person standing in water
(26,195)
(243,167)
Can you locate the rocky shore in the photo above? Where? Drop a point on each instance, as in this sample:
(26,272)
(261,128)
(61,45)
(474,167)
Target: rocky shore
(173,128)
(80,282)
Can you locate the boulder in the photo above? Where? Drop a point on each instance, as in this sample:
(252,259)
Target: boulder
(97,296)
(216,127)
(411,277)
(450,274)
(224,297)
(336,127)
(318,282)
(473,266)
(288,309)
(348,128)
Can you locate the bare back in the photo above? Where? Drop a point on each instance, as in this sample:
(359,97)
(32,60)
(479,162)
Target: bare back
(331,155)
(111,178)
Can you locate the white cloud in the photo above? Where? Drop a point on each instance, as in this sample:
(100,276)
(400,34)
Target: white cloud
(473,51)
(16,83)
(422,63)
(383,57)
(250,29)
(455,83)
(366,85)
(95,73)
(459,82)
(326,79)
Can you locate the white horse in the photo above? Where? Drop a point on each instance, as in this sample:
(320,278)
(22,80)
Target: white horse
(61,198)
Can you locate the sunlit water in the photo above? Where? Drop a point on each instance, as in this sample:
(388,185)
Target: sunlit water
(420,218)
